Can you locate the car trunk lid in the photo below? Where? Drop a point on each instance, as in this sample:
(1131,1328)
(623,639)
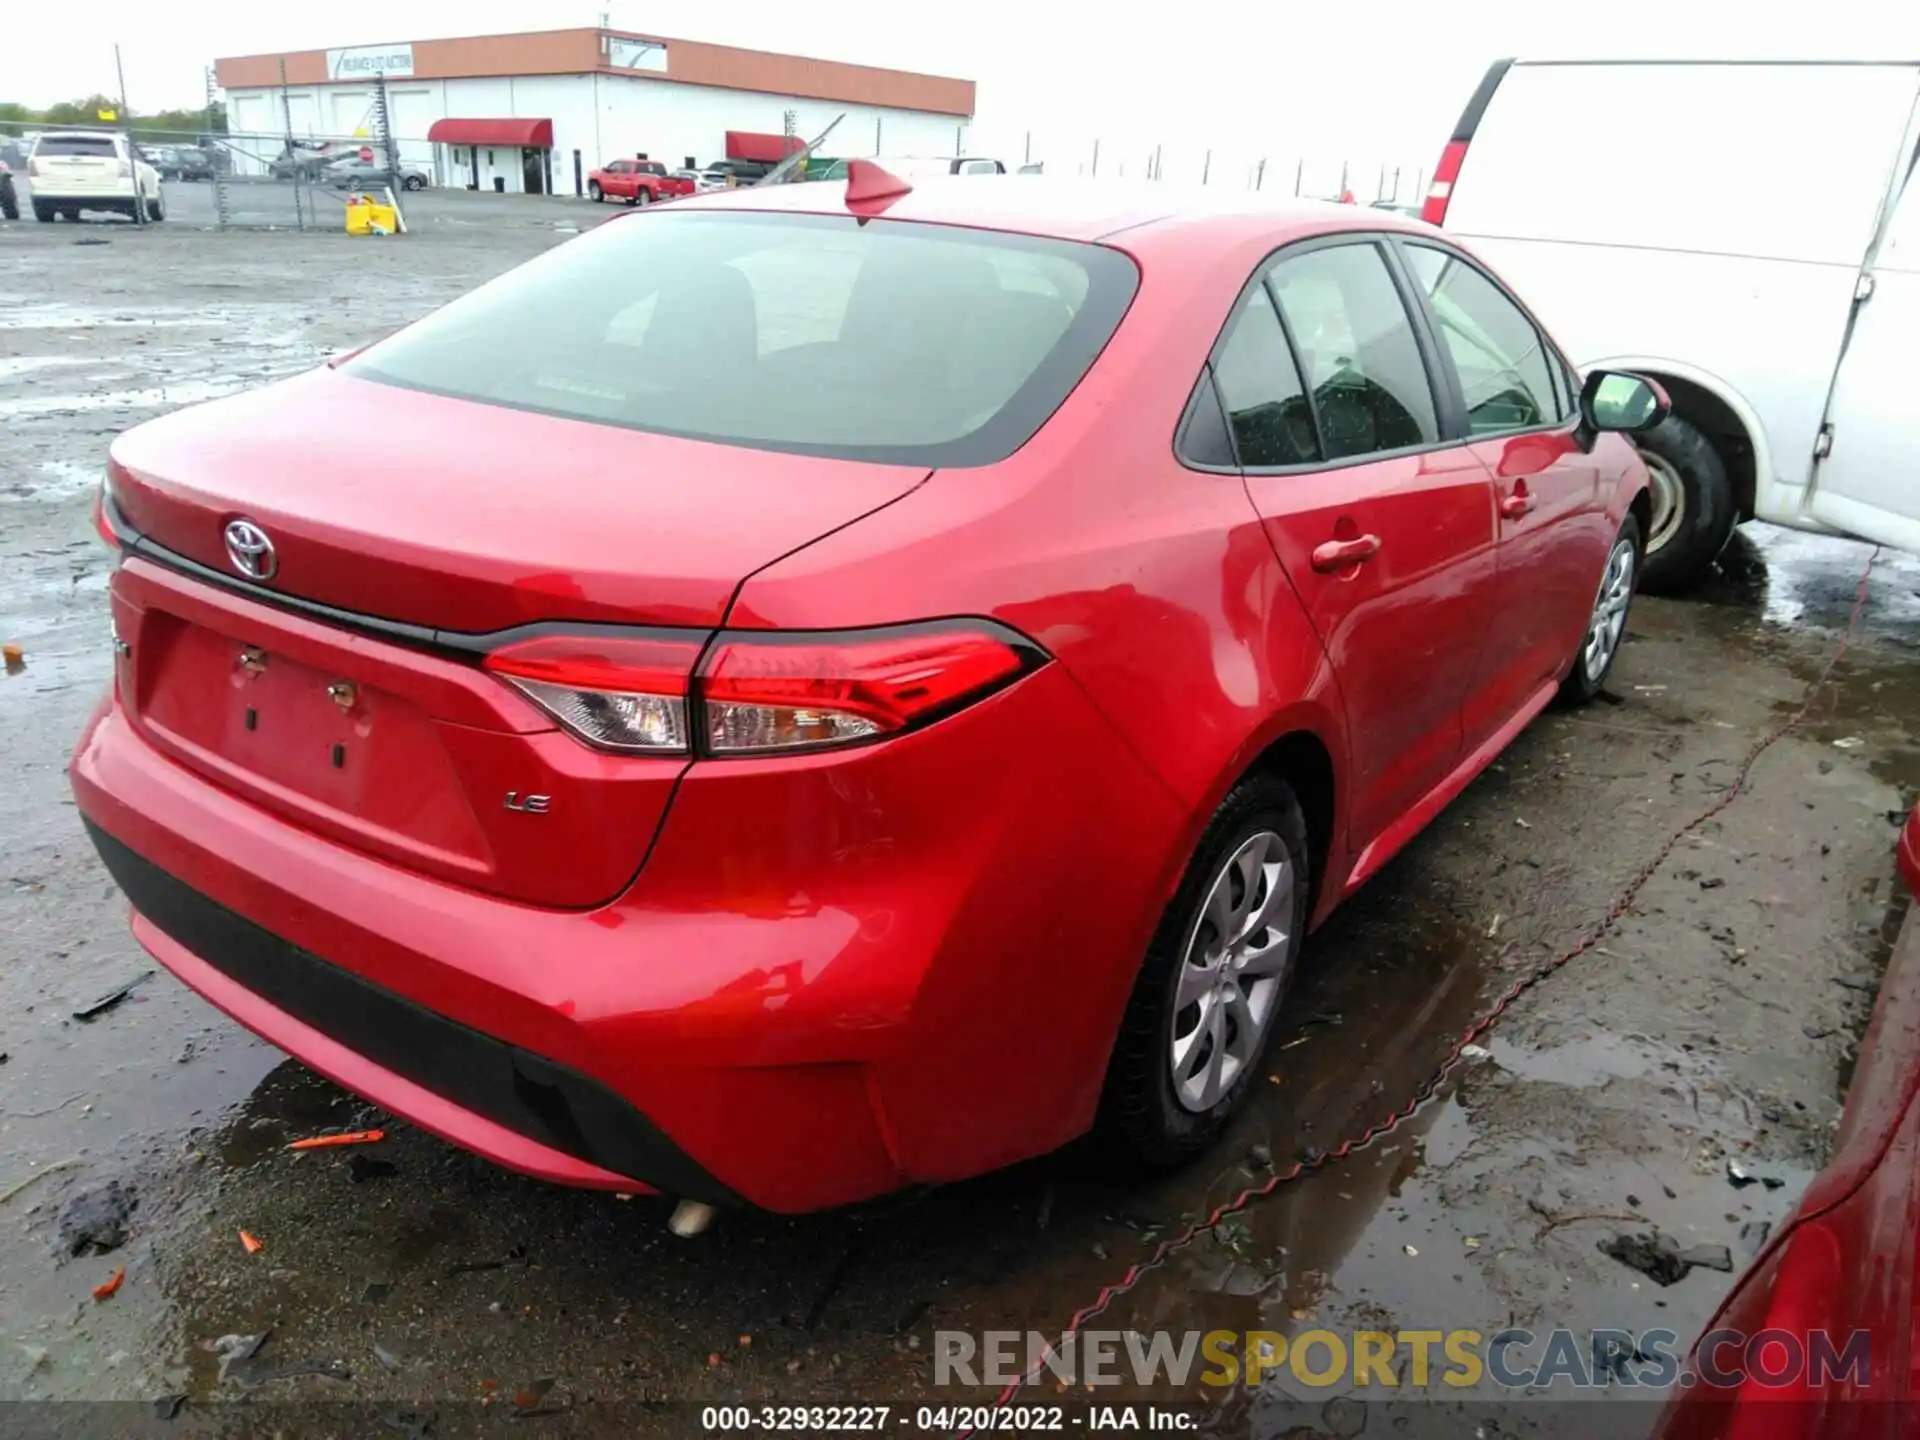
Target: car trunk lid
(433,522)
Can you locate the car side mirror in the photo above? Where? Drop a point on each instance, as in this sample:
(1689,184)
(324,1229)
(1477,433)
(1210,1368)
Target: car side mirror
(1621,401)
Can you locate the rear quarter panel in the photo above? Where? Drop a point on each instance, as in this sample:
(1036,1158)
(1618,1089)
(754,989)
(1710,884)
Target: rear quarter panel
(1153,584)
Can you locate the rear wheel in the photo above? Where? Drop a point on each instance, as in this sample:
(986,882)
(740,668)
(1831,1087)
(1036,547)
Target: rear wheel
(9,199)
(1203,1008)
(1693,505)
(43,213)
(642,197)
(156,210)
(594,192)
(71,215)
(413,182)
(1600,642)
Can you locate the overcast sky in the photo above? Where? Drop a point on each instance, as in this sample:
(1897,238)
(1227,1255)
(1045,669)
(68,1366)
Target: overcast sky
(1373,81)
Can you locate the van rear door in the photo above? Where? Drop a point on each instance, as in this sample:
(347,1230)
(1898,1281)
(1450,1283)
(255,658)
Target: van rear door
(1865,483)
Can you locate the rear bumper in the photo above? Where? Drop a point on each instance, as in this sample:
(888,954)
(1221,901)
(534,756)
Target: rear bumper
(835,976)
(518,1109)
(91,194)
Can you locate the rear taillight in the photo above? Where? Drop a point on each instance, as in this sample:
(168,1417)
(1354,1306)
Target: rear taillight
(761,693)
(800,692)
(102,524)
(1433,209)
(623,692)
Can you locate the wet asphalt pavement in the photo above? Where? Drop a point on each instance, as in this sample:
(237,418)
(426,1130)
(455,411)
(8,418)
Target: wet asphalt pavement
(1718,1021)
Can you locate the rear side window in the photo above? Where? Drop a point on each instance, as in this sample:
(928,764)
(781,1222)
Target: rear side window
(1357,348)
(1260,389)
(1505,368)
(815,334)
(93,145)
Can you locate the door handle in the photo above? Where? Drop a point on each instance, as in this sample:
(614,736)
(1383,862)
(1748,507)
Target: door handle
(1516,505)
(1338,554)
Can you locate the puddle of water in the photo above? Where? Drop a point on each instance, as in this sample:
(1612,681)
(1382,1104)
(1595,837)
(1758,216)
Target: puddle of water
(1589,1061)
(68,317)
(290,1103)
(158,397)
(24,364)
(1789,579)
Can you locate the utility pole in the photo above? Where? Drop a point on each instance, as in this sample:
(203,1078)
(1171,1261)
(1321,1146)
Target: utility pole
(1260,175)
(1299,175)
(133,156)
(1096,156)
(1206,167)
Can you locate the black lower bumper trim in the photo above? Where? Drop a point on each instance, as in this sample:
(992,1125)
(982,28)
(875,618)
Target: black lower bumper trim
(531,1096)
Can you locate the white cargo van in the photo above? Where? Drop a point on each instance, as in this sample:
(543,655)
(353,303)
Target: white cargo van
(1746,232)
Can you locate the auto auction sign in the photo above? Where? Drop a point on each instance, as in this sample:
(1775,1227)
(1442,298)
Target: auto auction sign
(363,62)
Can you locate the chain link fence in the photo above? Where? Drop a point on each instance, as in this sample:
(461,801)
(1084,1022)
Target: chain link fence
(226,180)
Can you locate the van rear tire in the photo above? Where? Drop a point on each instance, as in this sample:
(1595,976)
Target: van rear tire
(1694,510)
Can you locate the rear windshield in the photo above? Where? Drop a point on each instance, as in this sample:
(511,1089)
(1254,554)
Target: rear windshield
(76,145)
(896,342)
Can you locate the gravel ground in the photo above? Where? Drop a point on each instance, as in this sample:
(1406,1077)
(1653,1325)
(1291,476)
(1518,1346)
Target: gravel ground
(1718,1021)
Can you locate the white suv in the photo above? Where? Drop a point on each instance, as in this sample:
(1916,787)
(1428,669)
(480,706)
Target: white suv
(74,170)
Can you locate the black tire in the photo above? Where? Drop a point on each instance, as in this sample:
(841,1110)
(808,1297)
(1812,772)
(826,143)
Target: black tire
(9,200)
(1679,552)
(594,192)
(1141,1120)
(1586,679)
(43,213)
(156,210)
(642,197)
(413,182)
(71,215)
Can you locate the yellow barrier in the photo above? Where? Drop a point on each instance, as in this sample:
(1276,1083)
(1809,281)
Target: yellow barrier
(366,216)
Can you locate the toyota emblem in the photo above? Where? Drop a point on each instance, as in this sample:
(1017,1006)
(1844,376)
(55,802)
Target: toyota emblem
(250,550)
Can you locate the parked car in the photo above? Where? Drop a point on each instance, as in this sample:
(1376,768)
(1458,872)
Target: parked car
(1830,1273)
(1784,330)
(350,172)
(309,160)
(731,174)
(195,162)
(74,170)
(675,762)
(638,182)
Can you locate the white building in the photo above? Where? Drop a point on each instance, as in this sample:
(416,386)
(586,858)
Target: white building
(535,112)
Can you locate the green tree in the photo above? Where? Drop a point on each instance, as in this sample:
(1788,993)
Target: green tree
(79,112)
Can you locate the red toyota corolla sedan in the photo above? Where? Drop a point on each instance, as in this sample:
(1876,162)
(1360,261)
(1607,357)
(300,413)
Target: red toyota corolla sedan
(826,687)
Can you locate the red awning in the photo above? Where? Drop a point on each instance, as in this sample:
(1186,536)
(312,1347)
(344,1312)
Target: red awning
(538,133)
(765,149)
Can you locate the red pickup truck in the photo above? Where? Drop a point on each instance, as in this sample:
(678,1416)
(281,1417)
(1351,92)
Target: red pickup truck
(638,182)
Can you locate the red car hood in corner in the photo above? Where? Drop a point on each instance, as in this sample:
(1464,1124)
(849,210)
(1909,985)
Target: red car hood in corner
(472,517)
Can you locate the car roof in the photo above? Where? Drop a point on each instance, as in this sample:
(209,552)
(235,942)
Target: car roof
(1066,208)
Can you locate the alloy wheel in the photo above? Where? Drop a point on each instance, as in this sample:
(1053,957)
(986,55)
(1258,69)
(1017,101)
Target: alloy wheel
(1233,972)
(1609,616)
